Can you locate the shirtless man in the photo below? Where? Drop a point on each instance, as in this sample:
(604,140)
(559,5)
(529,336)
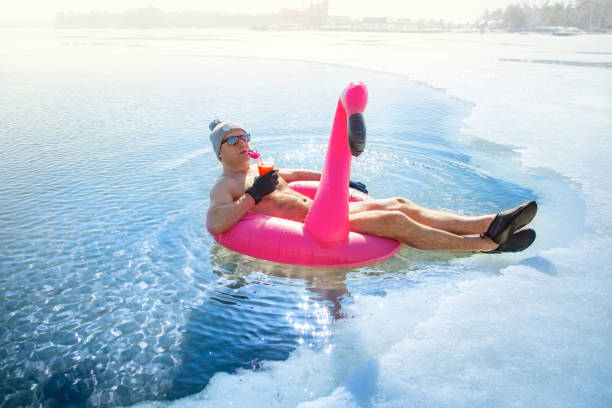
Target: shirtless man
(239,189)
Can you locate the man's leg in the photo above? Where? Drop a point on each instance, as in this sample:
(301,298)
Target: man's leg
(397,225)
(453,223)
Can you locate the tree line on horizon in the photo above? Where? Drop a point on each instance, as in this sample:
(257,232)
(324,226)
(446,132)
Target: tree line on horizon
(588,15)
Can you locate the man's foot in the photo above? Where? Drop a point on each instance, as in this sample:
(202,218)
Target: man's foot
(507,222)
(517,242)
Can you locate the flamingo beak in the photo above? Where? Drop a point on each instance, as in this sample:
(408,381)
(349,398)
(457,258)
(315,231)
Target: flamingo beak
(356,134)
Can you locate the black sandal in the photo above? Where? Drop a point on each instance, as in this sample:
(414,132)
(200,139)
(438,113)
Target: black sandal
(516,242)
(509,221)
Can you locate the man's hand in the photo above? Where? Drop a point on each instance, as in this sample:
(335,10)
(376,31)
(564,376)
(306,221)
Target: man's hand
(263,185)
(358,186)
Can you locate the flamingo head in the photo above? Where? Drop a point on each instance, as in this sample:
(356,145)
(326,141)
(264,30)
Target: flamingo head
(354,100)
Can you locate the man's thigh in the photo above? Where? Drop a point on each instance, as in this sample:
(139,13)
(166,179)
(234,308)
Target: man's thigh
(356,207)
(381,223)
(385,204)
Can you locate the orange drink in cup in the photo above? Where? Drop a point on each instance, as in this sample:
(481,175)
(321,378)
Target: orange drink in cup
(265,165)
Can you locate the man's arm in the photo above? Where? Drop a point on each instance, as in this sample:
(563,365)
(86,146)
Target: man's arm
(290,175)
(224,212)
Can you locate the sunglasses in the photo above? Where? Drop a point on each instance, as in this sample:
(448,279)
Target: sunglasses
(234,139)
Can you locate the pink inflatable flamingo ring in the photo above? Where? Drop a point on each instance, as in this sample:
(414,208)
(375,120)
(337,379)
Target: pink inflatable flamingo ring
(324,239)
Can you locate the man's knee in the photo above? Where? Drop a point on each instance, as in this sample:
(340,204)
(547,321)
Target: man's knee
(393,217)
(399,203)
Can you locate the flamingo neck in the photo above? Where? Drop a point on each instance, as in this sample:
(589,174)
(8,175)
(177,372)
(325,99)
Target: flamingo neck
(327,222)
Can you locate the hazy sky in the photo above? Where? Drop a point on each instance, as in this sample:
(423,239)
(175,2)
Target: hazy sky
(450,10)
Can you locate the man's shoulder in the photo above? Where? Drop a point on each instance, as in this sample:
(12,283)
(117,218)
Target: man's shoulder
(224,182)
(227,183)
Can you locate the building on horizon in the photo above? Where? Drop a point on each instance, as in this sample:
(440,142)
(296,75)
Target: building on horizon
(315,16)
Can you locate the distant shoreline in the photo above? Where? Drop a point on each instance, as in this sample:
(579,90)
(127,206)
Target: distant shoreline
(557,31)
(557,19)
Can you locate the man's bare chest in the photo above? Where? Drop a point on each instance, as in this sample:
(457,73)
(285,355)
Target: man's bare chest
(241,184)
